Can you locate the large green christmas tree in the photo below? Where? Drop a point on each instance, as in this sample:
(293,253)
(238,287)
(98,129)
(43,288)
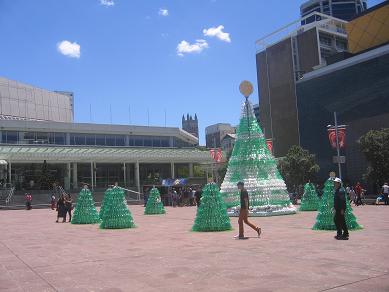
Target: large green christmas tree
(310,200)
(325,216)
(103,203)
(116,214)
(85,211)
(252,163)
(212,213)
(154,205)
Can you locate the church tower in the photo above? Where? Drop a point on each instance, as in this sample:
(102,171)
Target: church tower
(190,124)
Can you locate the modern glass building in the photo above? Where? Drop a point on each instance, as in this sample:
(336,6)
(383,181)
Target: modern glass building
(357,89)
(342,9)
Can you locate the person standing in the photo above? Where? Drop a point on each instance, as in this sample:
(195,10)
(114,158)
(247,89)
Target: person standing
(198,195)
(28,201)
(69,206)
(244,212)
(61,209)
(385,193)
(52,202)
(340,210)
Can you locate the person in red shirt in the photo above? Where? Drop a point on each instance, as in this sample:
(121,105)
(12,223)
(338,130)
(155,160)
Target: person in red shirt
(358,191)
(28,201)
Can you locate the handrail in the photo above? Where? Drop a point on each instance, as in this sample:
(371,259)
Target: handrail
(10,195)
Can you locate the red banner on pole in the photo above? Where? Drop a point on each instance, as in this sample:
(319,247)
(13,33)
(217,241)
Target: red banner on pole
(269,144)
(341,137)
(216,154)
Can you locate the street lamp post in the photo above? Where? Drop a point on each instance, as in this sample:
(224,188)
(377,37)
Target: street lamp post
(337,145)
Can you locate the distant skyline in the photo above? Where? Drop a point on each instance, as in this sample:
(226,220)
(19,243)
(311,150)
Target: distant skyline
(152,56)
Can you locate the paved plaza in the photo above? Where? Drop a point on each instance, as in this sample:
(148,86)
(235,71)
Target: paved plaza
(162,254)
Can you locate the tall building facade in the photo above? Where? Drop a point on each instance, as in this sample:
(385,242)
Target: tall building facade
(215,133)
(191,125)
(355,87)
(19,101)
(284,61)
(342,9)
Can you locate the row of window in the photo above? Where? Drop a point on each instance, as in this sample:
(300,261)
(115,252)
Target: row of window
(55,138)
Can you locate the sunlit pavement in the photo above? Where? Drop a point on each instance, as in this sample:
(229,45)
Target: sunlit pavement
(162,254)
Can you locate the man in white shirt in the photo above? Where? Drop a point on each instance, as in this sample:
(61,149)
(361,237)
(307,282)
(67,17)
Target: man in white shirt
(385,192)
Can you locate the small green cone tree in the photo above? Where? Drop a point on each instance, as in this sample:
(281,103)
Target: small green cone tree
(116,214)
(85,211)
(325,216)
(310,200)
(154,205)
(103,203)
(212,213)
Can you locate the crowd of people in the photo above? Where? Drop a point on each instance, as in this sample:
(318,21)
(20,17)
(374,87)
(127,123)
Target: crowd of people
(180,196)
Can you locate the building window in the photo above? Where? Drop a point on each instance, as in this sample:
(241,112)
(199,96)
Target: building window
(10,137)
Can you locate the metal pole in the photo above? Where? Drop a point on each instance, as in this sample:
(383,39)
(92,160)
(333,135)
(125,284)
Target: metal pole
(247,114)
(337,146)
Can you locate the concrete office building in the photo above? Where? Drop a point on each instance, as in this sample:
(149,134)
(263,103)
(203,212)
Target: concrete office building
(19,101)
(96,154)
(215,133)
(342,9)
(282,59)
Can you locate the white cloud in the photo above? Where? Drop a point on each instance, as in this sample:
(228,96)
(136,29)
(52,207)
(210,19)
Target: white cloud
(185,47)
(69,49)
(217,32)
(163,12)
(107,3)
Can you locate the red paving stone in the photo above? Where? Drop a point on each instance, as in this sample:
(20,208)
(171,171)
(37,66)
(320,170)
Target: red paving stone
(161,254)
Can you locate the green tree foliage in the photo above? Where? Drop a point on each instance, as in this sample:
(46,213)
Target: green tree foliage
(298,167)
(375,146)
(223,169)
(46,180)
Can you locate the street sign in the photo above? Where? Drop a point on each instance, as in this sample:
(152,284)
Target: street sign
(342,159)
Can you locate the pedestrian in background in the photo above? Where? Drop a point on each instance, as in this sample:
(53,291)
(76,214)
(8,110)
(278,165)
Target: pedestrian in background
(385,192)
(69,206)
(340,210)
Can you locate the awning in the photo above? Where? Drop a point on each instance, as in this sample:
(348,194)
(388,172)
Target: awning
(58,154)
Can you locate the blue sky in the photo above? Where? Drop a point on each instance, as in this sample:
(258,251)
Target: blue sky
(132,54)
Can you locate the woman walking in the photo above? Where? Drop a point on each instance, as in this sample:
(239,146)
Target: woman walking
(61,209)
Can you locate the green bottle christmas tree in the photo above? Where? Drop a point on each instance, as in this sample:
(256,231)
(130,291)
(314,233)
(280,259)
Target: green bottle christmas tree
(252,162)
(310,200)
(85,211)
(154,205)
(103,203)
(116,214)
(212,213)
(325,216)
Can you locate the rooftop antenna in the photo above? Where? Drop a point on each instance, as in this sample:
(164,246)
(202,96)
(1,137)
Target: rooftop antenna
(110,113)
(129,114)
